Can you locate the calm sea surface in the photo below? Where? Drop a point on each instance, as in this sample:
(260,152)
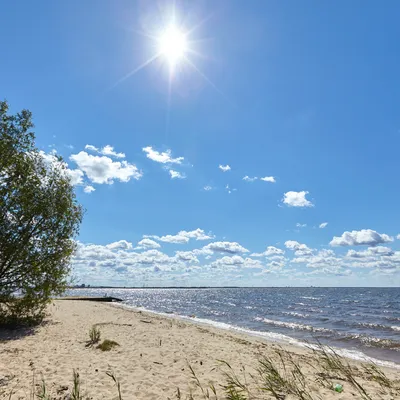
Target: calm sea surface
(357,320)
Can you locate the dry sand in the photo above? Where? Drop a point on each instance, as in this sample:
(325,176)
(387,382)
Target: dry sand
(151,361)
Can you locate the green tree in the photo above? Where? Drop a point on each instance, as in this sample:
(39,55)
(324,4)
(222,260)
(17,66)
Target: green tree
(39,220)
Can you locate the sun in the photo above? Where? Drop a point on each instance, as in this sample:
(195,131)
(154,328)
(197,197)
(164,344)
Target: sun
(173,45)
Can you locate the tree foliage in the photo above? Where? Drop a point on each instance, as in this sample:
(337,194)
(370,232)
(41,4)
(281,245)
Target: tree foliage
(39,220)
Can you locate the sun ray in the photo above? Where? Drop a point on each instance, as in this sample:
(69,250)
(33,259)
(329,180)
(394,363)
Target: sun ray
(137,69)
(206,78)
(202,22)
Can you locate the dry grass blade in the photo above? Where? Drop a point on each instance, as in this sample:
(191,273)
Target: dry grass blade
(116,381)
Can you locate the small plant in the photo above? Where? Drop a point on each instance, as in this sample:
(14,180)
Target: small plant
(116,381)
(107,345)
(42,394)
(76,390)
(333,364)
(94,336)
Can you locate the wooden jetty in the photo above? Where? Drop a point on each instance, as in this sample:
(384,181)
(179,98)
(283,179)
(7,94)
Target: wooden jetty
(104,299)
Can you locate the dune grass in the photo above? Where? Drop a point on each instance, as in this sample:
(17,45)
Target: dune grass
(94,336)
(278,375)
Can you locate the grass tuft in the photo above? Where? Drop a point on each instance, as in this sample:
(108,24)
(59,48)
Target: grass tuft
(107,345)
(94,336)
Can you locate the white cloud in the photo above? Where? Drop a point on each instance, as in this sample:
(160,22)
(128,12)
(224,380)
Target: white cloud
(371,252)
(147,244)
(236,262)
(189,256)
(120,245)
(92,148)
(228,261)
(366,237)
(178,239)
(207,188)
(184,236)
(296,199)
(323,259)
(271,251)
(176,174)
(229,190)
(197,234)
(248,179)
(104,170)
(224,168)
(300,249)
(323,225)
(75,175)
(161,157)
(226,247)
(107,150)
(298,225)
(398,237)
(268,179)
(89,189)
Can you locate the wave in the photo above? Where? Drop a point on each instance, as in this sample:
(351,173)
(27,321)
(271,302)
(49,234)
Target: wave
(371,341)
(376,326)
(292,325)
(269,336)
(310,298)
(295,314)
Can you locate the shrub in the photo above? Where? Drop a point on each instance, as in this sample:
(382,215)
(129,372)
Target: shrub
(39,219)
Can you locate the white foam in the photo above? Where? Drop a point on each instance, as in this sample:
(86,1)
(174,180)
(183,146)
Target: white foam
(269,336)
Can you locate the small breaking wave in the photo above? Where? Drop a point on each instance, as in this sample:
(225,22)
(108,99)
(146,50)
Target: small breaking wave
(292,325)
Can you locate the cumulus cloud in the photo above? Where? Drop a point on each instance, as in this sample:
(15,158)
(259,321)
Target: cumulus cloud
(371,252)
(367,237)
(271,251)
(398,237)
(207,188)
(102,169)
(75,175)
(298,225)
(161,157)
(147,244)
(268,179)
(300,249)
(254,178)
(189,256)
(296,199)
(236,261)
(249,179)
(226,247)
(184,236)
(120,245)
(176,174)
(323,225)
(228,261)
(107,150)
(89,189)
(224,168)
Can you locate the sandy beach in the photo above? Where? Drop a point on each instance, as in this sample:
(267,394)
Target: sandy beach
(152,359)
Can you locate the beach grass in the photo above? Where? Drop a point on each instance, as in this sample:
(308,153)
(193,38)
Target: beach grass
(278,376)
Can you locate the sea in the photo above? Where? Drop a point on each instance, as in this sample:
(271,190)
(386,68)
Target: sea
(358,322)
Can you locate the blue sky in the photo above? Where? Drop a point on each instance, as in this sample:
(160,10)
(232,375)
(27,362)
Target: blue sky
(302,94)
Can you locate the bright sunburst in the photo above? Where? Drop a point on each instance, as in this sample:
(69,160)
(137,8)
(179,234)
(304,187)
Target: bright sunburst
(173,45)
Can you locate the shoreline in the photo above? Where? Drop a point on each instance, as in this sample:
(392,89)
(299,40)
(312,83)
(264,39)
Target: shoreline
(269,337)
(152,359)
